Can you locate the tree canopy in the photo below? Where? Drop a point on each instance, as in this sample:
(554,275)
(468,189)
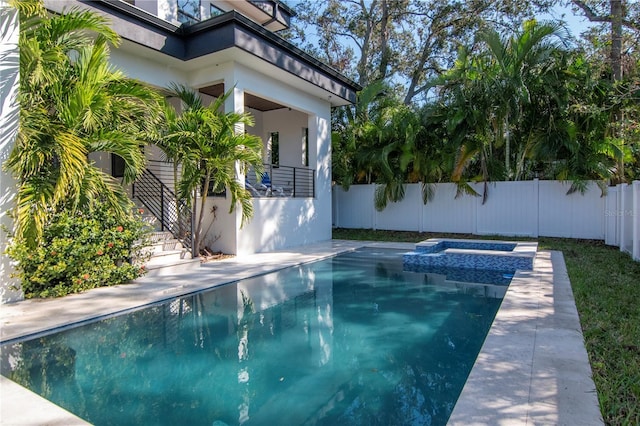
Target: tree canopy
(491,94)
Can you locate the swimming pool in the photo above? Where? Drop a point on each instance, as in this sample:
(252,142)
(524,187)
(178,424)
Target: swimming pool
(351,340)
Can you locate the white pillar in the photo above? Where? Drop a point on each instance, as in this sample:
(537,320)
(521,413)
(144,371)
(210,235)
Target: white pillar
(232,232)
(320,135)
(9,119)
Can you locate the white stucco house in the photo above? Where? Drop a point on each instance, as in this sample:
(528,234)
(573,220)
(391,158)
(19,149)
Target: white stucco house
(216,45)
(213,46)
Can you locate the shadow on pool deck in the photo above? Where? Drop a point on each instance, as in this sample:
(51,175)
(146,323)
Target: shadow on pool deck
(533,367)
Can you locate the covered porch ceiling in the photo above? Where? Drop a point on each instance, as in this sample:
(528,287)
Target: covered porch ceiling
(250,101)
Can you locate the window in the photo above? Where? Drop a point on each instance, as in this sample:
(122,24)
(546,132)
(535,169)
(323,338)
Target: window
(117,166)
(214,11)
(189,11)
(275,148)
(305,146)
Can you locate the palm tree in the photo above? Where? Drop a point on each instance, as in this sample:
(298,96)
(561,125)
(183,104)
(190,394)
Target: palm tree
(355,142)
(72,103)
(211,149)
(467,104)
(516,64)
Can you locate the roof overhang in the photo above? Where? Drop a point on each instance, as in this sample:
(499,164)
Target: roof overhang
(230,35)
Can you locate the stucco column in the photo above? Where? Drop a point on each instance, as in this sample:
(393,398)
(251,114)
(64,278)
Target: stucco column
(320,134)
(9,119)
(235,103)
(227,225)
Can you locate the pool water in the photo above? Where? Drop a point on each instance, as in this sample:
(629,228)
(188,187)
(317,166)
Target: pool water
(351,340)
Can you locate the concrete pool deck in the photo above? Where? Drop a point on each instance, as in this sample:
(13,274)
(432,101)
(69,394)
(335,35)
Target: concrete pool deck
(532,369)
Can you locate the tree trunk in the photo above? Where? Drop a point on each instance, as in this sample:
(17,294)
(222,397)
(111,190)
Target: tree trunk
(616,39)
(507,147)
(363,63)
(203,202)
(384,41)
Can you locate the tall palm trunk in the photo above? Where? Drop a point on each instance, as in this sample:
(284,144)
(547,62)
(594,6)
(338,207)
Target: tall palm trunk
(203,203)
(507,147)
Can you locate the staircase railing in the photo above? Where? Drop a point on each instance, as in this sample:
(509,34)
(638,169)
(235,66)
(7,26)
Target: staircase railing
(173,214)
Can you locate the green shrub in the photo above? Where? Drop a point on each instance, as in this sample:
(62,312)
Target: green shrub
(80,251)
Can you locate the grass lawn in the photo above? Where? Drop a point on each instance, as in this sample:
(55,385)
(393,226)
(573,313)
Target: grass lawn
(606,286)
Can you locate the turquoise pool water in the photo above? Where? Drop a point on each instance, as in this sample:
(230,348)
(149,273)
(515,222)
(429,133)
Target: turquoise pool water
(351,340)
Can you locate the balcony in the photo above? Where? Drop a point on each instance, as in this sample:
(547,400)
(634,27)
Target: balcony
(281,181)
(271,14)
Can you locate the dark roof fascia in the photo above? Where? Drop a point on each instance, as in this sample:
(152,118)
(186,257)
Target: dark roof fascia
(273,38)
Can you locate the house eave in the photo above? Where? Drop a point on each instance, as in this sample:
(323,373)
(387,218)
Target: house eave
(226,31)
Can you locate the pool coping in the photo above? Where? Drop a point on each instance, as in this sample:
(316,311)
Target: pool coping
(533,367)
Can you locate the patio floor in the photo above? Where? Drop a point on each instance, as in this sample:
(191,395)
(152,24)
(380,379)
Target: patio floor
(533,367)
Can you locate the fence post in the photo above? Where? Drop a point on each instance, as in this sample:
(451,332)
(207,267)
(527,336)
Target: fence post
(421,207)
(536,196)
(611,232)
(620,218)
(635,218)
(335,206)
(374,222)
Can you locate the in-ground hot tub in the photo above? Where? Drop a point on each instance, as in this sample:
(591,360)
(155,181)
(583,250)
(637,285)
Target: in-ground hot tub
(472,254)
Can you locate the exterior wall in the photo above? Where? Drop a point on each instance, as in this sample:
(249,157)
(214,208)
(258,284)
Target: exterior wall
(287,222)
(277,223)
(529,208)
(144,69)
(257,128)
(220,234)
(289,125)
(9,114)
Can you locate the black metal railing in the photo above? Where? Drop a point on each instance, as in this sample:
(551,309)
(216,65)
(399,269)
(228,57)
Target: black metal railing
(163,170)
(174,215)
(281,181)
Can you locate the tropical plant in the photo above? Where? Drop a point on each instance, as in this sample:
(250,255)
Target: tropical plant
(493,97)
(354,141)
(212,148)
(516,65)
(372,143)
(612,41)
(73,103)
(466,105)
(79,251)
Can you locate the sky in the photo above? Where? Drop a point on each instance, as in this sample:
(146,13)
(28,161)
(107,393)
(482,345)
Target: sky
(577,23)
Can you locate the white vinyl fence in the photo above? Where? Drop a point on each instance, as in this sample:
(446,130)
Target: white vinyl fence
(527,208)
